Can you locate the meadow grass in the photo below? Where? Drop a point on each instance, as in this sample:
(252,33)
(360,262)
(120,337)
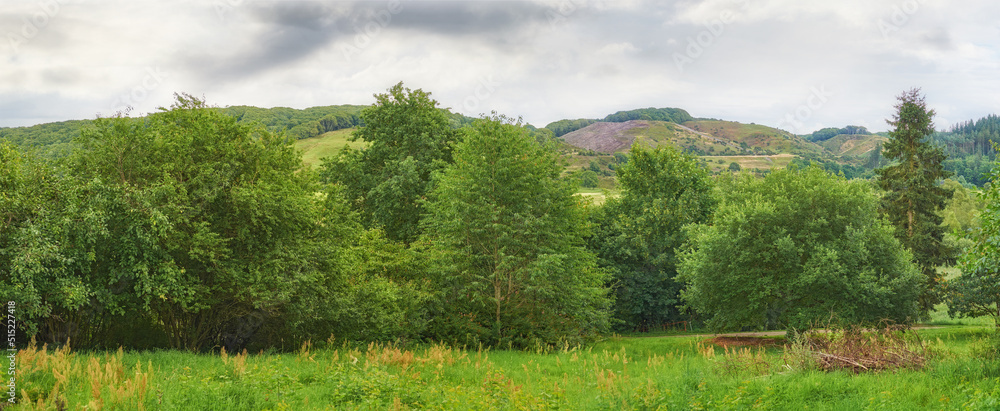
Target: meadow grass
(325,145)
(617,373)
(748,162)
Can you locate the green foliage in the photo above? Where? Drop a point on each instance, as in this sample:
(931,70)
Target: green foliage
(977,291)
(973,168)
(51,140)
(674,115)
(45,249)
(589,179)
(969,145)
(205,223)
(562,127)
(735,167)
(504,232)
(794,248)
(408,139)
(299,124)
(637,233)
(849,171)
(831,132)
(913,195)
(961,212)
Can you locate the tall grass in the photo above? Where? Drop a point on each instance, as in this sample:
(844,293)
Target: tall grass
(619,373)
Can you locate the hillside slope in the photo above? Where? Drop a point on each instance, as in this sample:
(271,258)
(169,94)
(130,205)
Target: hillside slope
(701,137)
(757,138)
(853,145)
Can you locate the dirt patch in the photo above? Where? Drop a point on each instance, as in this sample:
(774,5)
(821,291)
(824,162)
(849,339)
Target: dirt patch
(727,342)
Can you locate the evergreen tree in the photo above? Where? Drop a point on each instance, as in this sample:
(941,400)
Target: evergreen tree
(913,193)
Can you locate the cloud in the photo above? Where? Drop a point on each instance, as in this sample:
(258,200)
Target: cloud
(557,58)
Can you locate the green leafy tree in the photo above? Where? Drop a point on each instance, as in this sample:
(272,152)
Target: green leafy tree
(505,232)
(209,221)
(794,248)
(913,194)
(977,291)
(46,245)
(637,234)
(408,138)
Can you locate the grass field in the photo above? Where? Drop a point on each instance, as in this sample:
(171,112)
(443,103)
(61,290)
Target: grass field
(597,196)
(718,163)
(324,145)
(618,373)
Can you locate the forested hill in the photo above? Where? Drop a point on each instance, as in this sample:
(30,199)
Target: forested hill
(54,140)
(969,147)
(50,139)
(299,124)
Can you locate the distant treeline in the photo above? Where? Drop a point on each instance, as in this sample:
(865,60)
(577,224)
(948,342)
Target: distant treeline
(55,140)
(676,115)
(969,147)
(51,140)
(299,124)
(831,132)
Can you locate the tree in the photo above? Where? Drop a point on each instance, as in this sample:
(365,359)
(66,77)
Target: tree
(408,138)
(735,167)
(505,232)
(794,248)
(209,223)
(913,194)
(977,291)
(46,244)
(636,235)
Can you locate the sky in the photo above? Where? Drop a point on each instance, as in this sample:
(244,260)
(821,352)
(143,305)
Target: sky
(799,65)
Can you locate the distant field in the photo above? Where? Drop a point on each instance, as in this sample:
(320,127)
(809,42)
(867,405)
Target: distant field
(717,163)
(324,145)
(596,195)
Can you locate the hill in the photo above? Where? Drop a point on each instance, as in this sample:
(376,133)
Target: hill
(853,145)
(51,140)
(54,140)
(299,124)
(608,137)
(673,115)
(756,138)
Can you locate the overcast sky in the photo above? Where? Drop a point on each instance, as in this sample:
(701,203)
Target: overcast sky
(799,65)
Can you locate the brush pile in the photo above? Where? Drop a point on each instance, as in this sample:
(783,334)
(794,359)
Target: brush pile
(857,349)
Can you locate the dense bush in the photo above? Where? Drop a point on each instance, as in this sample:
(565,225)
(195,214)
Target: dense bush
(792,248)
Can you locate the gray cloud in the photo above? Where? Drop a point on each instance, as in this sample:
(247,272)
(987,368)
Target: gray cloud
(557,59)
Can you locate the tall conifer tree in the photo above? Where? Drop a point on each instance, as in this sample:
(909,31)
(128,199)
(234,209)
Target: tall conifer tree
(913,193)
